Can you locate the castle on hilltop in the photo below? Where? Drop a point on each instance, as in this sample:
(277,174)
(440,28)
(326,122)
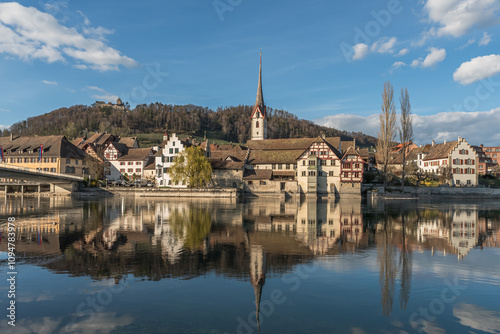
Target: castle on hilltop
(119,105)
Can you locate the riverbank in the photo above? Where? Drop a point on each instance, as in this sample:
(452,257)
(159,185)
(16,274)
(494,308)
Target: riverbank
(442,192)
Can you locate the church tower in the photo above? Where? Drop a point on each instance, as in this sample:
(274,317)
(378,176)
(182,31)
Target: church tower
(259,120)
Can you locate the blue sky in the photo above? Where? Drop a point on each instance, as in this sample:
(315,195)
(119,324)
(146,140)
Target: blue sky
(325,61)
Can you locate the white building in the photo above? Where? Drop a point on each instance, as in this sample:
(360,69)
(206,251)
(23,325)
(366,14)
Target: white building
(458,155)
(164,159)
(122,162)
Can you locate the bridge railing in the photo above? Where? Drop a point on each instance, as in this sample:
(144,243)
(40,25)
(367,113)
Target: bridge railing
(39,171)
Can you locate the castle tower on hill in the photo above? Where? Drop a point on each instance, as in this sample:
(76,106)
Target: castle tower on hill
(258,118)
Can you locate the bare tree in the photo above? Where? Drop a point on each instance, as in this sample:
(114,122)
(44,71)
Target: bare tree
(387,133)
(406,130)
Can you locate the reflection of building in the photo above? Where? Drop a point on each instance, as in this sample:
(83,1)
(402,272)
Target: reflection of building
(464,231)
(458,236)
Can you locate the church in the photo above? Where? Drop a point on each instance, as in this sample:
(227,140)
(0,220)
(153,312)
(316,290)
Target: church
(322,166)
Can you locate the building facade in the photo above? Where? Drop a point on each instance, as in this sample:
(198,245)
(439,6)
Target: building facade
(47,153)
(164,159)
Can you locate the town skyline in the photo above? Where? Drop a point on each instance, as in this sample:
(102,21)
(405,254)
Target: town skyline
(323,64)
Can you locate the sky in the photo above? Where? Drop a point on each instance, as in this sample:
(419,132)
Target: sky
(325,61)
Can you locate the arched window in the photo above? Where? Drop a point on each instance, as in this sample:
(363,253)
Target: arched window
(257,124)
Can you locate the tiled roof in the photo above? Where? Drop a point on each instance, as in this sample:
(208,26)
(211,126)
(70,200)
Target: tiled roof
(122,148)
(136,154)
(440,151)
(94,138)
(105,138)
(350,150)
(53,146)
(128,141)
(274,156)
(78,141)
(258,174)
(150,165)
(224,164)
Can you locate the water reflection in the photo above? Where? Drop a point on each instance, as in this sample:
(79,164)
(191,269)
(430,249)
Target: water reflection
(250,240)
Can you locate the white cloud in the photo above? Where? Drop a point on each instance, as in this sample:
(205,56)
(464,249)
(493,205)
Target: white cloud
(99,89)
(469,42)
(106,97)
(53,83)
(398,64)
(435,56)
(360,51)
(416,62)
(485,40)
(384,45)
(403,52)
(477,69)
(475,127)
(457,17)
(5,110)
(27,33)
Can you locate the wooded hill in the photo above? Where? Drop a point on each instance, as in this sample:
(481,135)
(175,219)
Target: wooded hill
(230,123)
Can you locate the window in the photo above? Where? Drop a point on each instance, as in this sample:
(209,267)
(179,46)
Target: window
(138,163)
(33,160)
(173,143)
(330,173)
(122,163)
(273,166)
(176,150)
(165,170)
(171,151)
(330,221)
(303,162)
(346,174)
(84,163)
(332,234)
(356,174)
(303,221)
(68,161)
(322,162)
(312,163)
(262,183)
(287,166)
(45,160)
(45,169)
(26,160)
(257,124)
(53,170)
(303,173)
(12,160)
(53,159)
(137,170)
(280,166)
(356,165)
(122,170)
(469,182)
(130,170)
(312,173)
(250,183)
(332,162)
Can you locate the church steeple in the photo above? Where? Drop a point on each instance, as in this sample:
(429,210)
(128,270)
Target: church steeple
(259,101)
(259,121)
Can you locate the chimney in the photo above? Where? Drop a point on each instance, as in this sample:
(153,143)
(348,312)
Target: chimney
(11,137)
(459,139)
(433,142)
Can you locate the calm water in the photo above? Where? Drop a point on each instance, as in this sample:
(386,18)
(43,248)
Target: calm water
(125,265)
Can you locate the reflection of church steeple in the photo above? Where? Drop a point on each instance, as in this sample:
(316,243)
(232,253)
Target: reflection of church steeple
(257,275)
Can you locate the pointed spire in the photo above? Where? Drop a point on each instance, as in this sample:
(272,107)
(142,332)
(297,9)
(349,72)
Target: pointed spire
(259,101)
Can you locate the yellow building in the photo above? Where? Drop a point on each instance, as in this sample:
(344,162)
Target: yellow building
(58,154)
